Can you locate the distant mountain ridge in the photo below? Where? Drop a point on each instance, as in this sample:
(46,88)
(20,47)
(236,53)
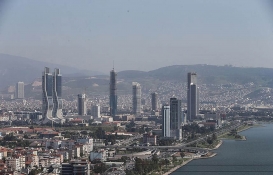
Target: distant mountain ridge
(206,74)
(15,68)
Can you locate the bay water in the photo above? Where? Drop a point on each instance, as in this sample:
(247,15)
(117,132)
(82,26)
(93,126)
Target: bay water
(253,156)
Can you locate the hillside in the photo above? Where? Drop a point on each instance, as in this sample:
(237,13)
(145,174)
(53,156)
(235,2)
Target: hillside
(207,74)
(15,68)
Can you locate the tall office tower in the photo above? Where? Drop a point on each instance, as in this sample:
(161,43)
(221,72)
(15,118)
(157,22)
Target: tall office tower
(47,85)
(136,98)
(192,96)
(95,111)
(20,92)
(82,104)
(154,101)
(166,132)
(175,118)
(57,95)
(52,91)
(113,93)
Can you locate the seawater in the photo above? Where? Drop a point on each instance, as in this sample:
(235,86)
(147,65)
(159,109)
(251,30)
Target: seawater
(253,156)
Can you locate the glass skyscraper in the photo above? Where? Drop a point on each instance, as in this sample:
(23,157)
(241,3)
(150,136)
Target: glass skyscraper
(166,132)
(192,96)
(52,90)
(113,93)
(154,101)
(175,118)
(136,98)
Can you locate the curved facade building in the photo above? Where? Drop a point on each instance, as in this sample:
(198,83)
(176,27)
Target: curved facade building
(52,102)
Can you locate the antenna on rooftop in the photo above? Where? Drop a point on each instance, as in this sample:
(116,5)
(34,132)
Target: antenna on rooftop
(113,64)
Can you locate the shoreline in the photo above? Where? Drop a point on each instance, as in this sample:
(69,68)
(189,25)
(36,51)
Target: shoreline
(218,145)
(177,167)
(243,137)
(186,162)
(212,155)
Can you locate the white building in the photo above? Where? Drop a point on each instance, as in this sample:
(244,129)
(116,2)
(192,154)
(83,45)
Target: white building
(13,163)
(87,144)
(166,132)
(20,92)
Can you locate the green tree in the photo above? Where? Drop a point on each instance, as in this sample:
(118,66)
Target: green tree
(209,140)
(100,133)
(155,158)
(84,132)
(174,158)
(100,168)
(182,154)
(214,137)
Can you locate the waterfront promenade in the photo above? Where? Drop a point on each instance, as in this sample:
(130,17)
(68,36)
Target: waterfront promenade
(209,156)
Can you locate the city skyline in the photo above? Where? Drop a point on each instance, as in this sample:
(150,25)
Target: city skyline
(169,108)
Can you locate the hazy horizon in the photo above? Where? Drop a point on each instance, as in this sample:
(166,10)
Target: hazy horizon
(139,35)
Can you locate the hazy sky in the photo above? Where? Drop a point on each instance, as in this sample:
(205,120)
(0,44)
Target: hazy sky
(139,34)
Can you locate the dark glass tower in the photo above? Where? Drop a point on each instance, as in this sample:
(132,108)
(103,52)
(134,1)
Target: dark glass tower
(154,101)
(113,93)
(136,97)
(192,96)
(81,104)
(175,118)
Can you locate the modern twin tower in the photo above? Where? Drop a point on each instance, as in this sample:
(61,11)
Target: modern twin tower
(52,96)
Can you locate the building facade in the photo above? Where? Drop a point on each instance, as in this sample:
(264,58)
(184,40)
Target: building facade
(192,96)
(82,104)
(51,96)
(136,99)
(175,118)
(113,93)
(20,90)
(154,101)
(166,131)
(96,111)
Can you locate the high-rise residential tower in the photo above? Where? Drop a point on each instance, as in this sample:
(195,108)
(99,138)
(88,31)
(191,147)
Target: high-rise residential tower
(192,96)
(19,91)
(166,132)
(113,93)
(175,118)
(154,101)
(136,98)
(52,90)
(82,104)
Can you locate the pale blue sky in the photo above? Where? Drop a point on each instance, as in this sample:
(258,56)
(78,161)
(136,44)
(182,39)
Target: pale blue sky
(139,34)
